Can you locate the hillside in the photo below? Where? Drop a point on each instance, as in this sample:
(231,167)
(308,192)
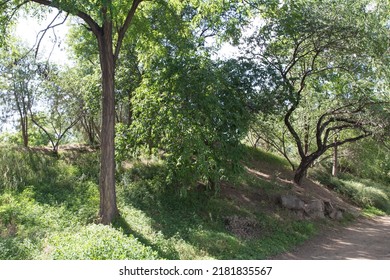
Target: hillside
(48,210)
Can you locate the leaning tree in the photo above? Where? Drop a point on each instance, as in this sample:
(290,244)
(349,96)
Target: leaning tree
(319,64)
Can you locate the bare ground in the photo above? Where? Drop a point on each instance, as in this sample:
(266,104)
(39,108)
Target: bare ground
(367,239)
(363,239)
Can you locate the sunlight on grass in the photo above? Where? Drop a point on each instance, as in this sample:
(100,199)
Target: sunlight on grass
(49,205)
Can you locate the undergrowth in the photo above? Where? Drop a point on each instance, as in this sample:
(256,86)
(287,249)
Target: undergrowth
(374,197)
(49,206)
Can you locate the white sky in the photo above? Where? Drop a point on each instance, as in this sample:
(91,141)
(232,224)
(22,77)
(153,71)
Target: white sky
(28,28)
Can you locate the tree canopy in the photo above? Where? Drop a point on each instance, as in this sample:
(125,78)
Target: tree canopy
(323,60)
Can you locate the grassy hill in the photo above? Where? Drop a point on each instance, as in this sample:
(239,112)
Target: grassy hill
(49,205)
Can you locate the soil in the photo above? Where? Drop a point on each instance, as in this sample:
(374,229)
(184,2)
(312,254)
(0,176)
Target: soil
(364,239)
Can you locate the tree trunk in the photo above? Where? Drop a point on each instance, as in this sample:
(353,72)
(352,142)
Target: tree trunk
(304,165)
(108,206)
(335,159)
(300,172)
(24,125)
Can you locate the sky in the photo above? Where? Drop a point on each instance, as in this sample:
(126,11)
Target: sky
(53,45)
(29,31)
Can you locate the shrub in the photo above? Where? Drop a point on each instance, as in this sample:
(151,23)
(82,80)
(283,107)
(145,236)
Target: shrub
(364,193)
(96,242)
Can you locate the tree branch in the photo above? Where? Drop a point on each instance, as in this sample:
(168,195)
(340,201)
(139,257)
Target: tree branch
(348,140)
(96,29)
(50,26)
(15,9)
(125,27)
(293,132)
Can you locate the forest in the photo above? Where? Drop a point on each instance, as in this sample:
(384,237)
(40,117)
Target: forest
(151,141)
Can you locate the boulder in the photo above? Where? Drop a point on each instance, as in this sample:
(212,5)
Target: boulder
(316,209)
(334,213)
(292,202)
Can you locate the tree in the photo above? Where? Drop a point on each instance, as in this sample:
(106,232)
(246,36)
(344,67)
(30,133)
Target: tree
(20,85)
(323,58)
(109,22)
(183,92)
(63,106)
(194,113)
(81,82)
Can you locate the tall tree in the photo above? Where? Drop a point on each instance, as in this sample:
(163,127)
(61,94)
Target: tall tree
(109,22)
(20,77)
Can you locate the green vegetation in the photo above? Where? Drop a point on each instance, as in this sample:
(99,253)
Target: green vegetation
(49,208)
(365,193)
(154,118)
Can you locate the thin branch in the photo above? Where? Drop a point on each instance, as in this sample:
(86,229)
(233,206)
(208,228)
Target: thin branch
(350,125)
(44,31)
(295,57)
(4,3)
(348,140)
(42,128)
(96,29)
(16,8)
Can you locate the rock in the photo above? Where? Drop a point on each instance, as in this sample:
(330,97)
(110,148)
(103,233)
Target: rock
(328,207)
(300,214)
(292,202)
(316,209)
(334,213)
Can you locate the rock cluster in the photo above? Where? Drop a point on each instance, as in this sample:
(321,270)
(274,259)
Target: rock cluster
(313,208)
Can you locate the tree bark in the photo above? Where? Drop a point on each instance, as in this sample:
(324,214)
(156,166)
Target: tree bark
(301,171)
(108,206)
(304,165)
(335,159)
(24,125)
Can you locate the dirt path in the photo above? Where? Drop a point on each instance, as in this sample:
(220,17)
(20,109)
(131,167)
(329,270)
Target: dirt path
(365,239)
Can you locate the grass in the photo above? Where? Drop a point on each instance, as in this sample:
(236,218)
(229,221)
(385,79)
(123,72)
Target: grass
(47,209)
(260,156)
(49,205)
(372,196)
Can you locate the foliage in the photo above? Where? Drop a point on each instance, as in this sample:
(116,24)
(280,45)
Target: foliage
(271,159)
(322,75)
(194,113)
(365,193)
(64,106)
(193,226)
(96,242)
(369,159)
(19,86)
(46,200)
(80,84)
(48,213)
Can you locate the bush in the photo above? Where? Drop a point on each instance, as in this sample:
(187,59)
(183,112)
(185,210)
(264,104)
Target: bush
(365,193)
(97,242)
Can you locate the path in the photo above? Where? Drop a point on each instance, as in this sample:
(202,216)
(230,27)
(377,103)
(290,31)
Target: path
(365,239)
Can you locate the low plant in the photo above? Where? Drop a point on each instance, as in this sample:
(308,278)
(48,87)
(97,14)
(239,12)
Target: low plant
(363,192)
(96,242)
